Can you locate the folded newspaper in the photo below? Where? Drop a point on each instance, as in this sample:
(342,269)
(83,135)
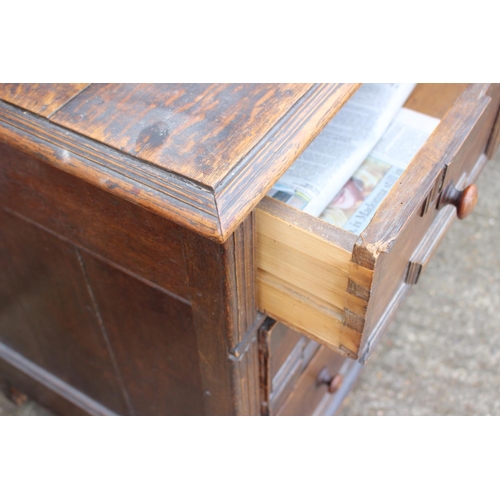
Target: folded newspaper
(319,173)
(356,203)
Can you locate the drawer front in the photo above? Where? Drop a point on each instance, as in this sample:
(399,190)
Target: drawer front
(311,389)
(296,372)
(285,354)
(342,290)
(453,157)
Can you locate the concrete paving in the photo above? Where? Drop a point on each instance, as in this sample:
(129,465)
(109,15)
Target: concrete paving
(441,356)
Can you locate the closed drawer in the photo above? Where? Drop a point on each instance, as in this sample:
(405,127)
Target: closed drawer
(311,395)
(285,354)
(295,372)
(340,289)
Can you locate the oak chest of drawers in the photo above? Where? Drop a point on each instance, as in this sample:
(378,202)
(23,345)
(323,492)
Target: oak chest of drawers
(143,268)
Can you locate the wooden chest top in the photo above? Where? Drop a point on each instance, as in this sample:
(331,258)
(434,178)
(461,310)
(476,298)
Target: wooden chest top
(202,155)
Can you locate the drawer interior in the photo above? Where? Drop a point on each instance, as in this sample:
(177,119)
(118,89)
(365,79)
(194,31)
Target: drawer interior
(322,280)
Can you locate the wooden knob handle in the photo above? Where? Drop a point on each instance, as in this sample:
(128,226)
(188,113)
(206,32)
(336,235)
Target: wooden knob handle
(465,201)
(333,383)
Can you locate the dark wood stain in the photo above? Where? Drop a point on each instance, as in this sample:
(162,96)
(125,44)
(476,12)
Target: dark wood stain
(223,308)
(46,312)
(91,218)
(289,366)
(494,141)
(281,344)
(246,377)
(151,334)
(151,137)
(167,304)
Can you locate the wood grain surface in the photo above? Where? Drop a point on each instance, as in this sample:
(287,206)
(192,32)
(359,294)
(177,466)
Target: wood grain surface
(200,155)
(495,138)
(116,339)
(265,164)
(303,271)
(90,218)
(282,342)
(200,131)
(43,99)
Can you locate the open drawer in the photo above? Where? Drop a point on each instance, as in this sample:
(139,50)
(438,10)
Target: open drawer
(341,289)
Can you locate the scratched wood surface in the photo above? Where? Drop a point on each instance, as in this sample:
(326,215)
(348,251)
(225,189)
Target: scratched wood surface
(200,155)
(200,131)
(44,99)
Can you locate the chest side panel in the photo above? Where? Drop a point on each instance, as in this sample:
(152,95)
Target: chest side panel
(125,234)
(47,314)
(151,336)
(96,294)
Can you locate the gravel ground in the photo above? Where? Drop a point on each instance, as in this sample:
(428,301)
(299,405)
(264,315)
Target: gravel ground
(441,356)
